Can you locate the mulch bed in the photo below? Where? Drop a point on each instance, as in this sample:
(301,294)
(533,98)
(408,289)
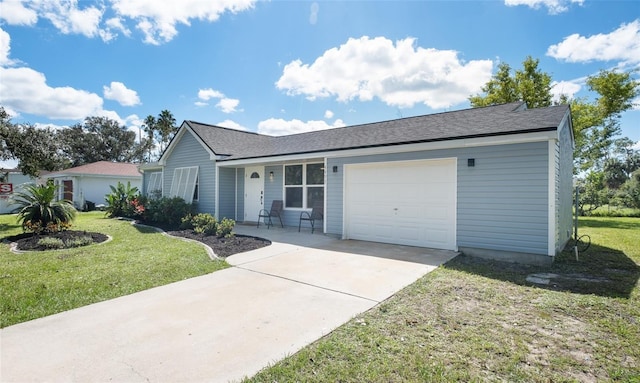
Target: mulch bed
(223,247)
(29,241)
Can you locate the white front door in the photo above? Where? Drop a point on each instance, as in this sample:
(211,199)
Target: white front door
(253,192)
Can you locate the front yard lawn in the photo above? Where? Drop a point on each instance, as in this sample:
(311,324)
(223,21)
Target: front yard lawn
(475,320)
(37,284)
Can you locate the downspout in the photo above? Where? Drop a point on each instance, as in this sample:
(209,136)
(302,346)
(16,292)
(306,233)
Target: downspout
(235,197)
(326,188)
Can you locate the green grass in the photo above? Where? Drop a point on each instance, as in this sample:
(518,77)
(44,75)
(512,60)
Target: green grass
(37,284)
(615,211)
(475,320)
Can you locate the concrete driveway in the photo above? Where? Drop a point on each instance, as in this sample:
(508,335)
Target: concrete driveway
(218,327)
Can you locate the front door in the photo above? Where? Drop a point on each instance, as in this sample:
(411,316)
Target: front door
(253,192)
(67,190)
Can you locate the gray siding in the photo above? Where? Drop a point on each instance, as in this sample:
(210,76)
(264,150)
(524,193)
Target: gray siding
(227,193)
(564,187)
(502,202)
(189,152)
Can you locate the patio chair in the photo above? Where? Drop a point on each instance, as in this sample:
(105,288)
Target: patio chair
(317,214)
(277,206)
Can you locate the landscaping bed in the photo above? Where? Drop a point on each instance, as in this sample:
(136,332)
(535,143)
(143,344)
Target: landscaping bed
(65,239)
(222,246)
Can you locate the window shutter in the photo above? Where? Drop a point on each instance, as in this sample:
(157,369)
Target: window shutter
(183,184)
(155,182)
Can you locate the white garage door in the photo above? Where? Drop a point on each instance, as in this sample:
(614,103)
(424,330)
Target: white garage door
(405,202)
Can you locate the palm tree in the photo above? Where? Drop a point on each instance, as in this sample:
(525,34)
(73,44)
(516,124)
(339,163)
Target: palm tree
(149,126)
(165,124)
(39,212)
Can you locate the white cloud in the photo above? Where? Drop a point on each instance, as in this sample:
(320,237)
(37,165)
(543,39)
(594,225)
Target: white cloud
(554,6)
(5,48)
(157,19)
(280,127)
(115,23)
(231,125)
(567,88)
(68,18)
(623,45)
(328,114)
(207,94)
(15,13)
(117,91)
(133,120)
(400,75)
(134,123)
(25,90)
(228,105)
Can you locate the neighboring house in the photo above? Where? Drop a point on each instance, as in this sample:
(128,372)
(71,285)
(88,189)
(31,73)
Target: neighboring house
(14,180)
(493,181)
(91,182)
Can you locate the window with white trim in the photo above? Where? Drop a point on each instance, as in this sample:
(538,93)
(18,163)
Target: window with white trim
(185,183)
(155,183)
(303,185)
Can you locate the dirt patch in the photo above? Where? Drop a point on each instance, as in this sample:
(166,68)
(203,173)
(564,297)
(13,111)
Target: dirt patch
(223,247)
(33,242)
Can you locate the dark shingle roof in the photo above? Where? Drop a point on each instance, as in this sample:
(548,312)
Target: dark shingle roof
(496,120)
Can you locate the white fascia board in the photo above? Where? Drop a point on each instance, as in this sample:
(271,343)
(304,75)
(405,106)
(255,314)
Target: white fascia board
(567,124)
(163,159)
(153,166)
(80,175)
(388,149)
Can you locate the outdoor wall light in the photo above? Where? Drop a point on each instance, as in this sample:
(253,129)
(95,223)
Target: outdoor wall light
(271,176)
(335,169)
(471,162)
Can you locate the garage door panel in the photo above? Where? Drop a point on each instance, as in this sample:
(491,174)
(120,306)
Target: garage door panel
(409,202)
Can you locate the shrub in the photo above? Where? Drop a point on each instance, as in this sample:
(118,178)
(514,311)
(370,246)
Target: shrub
(225,228)
(204,223)
(123,200)
(38,211)
(165,211)
(51,243)
(185,222)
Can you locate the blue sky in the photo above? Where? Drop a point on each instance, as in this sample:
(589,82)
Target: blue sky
(283,67)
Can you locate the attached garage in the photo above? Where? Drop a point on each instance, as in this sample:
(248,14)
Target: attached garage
(402,202)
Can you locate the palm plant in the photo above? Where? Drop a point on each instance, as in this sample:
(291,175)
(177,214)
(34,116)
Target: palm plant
(39,212)
(122,200)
